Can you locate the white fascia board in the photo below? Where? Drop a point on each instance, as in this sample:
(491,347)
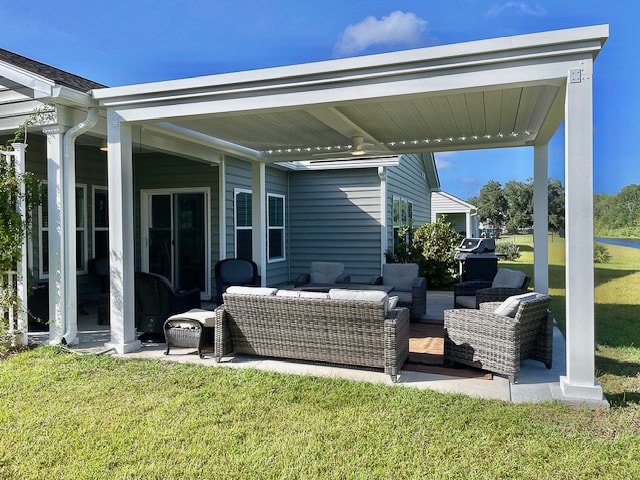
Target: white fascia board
(458,81)
(366,65)
(68,96)
(41,87)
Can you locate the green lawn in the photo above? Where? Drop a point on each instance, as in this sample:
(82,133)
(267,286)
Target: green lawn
(70,416)
(617,313)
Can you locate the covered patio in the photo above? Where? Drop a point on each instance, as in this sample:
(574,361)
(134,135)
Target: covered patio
(498,93)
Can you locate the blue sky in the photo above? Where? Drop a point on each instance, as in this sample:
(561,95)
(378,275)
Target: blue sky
(118,43)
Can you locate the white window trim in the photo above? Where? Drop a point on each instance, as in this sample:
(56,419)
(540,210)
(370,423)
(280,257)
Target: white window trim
(399,224)
(95,229)
(42,229)
(236,191)
(283,258)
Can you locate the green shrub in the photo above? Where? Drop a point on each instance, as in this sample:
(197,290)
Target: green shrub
(601,253)
(508,250)
(431,246)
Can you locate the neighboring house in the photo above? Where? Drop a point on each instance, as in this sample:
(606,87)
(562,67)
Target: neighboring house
(462,215)
(219,165)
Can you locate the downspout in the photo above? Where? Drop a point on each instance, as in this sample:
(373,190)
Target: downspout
(69,186)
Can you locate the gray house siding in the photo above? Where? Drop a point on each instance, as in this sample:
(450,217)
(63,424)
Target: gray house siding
(409,181)
(335,216)
(237,176)
(277,182)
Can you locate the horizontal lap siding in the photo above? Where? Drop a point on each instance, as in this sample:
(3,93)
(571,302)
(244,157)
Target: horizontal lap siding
(277,182)
(237,175)
(409,181)
(335,216)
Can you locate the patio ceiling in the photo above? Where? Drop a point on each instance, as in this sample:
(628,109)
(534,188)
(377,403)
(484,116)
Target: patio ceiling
(488,94)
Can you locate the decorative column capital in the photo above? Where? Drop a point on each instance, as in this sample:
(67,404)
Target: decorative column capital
(54,129)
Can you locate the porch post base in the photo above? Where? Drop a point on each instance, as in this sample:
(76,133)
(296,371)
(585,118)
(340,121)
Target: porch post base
(122,348)
(582,393)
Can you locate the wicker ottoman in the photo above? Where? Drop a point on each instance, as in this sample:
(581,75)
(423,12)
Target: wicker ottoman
(191,329)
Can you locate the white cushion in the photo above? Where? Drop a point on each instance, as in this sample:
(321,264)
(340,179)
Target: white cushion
(325,272)
(252,290)
(205,317)
(287,293)
(400,275)
(393,301)
(304,294)
(467,301)
(510,306)
(506,278)
(360,295)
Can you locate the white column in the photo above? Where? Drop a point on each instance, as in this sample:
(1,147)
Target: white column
(21,315)
(121,236)
(382,173)
(222,209)
(55,198)
(468,228)
(259,218)
(580,379)
(541,218)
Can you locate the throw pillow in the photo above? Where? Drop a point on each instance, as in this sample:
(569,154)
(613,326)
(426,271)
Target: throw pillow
(510,306)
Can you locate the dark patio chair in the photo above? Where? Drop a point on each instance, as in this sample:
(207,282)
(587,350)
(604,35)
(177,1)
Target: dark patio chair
(235,271)
(498,339)
(156,300)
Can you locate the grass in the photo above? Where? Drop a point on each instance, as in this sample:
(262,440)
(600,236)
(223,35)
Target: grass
(617,307)
(68,416)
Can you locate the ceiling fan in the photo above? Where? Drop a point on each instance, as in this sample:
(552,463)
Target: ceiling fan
(358,148)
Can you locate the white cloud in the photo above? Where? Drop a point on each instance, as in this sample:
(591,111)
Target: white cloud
(469,180)
(442,164)
(522,8)
(397,28)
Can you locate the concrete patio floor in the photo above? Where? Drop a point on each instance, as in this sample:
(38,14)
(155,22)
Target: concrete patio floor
(535,382)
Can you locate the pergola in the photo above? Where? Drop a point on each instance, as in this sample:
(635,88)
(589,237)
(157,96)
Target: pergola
(497,93)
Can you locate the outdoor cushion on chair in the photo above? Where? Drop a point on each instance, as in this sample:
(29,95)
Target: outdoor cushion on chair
(408,286)
(323,273)
(506,283)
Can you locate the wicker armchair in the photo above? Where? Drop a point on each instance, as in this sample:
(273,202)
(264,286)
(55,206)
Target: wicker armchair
(505,284)
(323,273)
(498,343)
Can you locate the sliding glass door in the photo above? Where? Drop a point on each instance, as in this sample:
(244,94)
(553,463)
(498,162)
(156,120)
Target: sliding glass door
(175,236)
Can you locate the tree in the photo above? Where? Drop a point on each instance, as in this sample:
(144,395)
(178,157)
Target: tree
(519,197)
(492,204)
(556,205)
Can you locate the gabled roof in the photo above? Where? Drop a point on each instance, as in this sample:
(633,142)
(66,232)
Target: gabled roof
(58,76)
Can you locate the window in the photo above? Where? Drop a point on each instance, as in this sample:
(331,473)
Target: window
(81,231)
(243,221)
(275,227)
(100,222)
(402,218)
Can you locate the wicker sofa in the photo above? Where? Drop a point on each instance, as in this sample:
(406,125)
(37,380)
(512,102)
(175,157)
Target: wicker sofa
(313,326)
